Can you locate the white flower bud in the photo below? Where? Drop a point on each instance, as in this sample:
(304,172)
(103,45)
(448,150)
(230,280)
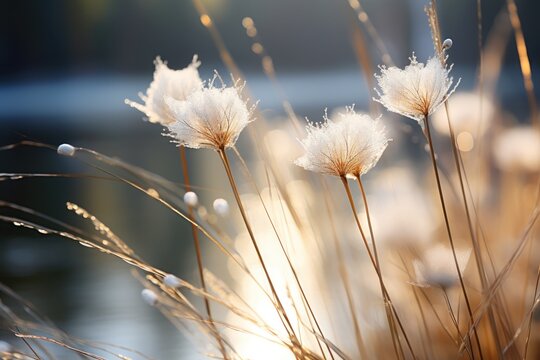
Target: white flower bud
(447,44)
(149,297)
(191,199)
(66,150)
(221,206)
(172,281)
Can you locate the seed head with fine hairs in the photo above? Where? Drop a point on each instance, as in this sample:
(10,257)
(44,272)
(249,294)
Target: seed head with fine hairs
(417,90)
(212,117)
(167,83)
(351,145)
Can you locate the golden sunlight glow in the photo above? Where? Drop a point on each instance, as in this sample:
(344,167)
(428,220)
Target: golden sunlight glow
(257,48)
(205,20)
(354,4)
(465,141)
(251,32)
(362,16)
(247,22)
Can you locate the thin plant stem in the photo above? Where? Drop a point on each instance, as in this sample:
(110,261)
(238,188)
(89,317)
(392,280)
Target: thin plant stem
(389,316)
(474,240)
(456,323)
(197,246)
(449,231)
(526,347)
(345,279)
(421,310)
(287,257)
(279,306)
(370,254)
(424,323)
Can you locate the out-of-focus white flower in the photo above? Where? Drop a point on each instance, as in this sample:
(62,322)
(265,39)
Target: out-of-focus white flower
(447,44)
(221,206)
(397,192)
(66,150)
(352,145)
(417,90)
(168,83)
(149,297)
(465,114)
(437,266)
(5,347)
(209,118)
(191,199)
(172,281)
(518,149)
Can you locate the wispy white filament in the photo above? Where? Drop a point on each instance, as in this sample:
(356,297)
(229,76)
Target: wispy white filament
(167,83)
(351,145)
(209,118)
(417,90)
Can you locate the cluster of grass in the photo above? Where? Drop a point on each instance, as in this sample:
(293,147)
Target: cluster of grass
(431,260)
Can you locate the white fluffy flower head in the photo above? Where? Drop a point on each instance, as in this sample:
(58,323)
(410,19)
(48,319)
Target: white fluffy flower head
(352,145)
(518,149)
(168,83)
(417,90)
(437,267)
(212,117)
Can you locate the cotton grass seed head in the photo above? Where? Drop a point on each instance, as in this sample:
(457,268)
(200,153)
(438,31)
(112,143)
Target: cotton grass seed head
(517,149)
(167,83)
(350,145)
(417,90)
(212,117)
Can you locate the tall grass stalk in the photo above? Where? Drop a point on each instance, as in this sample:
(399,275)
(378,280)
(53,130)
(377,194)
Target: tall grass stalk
(395,338)
(196,243)
(279,306)
(449,231)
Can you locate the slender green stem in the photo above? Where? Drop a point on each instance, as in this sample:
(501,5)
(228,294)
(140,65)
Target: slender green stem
(449,232)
